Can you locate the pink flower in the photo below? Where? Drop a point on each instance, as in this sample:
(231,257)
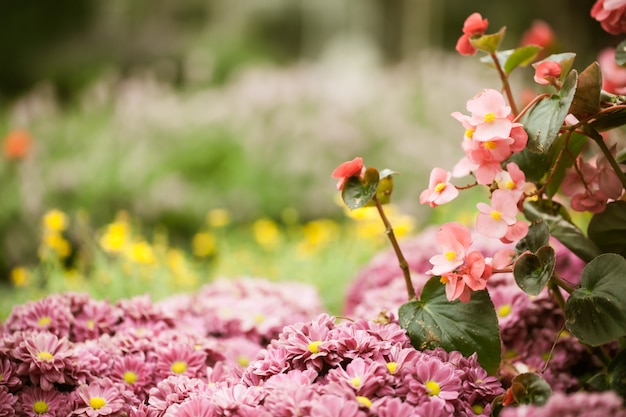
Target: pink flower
(611,15)
(7,402)
(493,221)
(180,358)
(513,180)
(192,407)
(613,75)
(99,398)
(453,239)
(490,115)
(474,25)
(348,169)
(540,34)
(134,371)
(546,72)
(440,190)
(472,276)
(36,402)
(431,377)
(364,377)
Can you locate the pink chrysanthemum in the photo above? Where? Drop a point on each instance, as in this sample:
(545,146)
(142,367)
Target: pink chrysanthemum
(35,402)
(134,371)
(7,402)
(100,398)
(173,390)
(179,358)
(94,319)
(330,405)
(192,407)
(430,377)
(8,375)
(582,404)
(51,314)
(364,377)
(45,359)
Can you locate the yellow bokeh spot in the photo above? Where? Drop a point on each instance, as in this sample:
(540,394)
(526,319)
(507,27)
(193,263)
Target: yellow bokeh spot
(432,388)
(54,241)
(504,310)
(218,217)
(392,367)
(55,220)
(179,367)
(130,377)
(356,381)
(97,402)
(115,237)
(91,324)
(450,255)
(40,407)
(266,233)
(44,321)
(490,145)
(203,244)
(440,187)
(141,252)
(19,276)
(489,117)
(45,356)
(363,401)
(496,215)
(314,346)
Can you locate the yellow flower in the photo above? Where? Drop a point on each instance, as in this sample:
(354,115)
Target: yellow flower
(178,265)
(55,220)
(56,242)
(203,244)
(141,252)
(266,233)
(318,233)
(115,237)
(19,276)
(217,218)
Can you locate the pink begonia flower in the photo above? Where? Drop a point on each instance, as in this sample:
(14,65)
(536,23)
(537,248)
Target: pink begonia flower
(494,220)
(611,15)
(613,75)
(608,181)
(515,232)
(453,239)
(348,169)
(591,201)
(490,115)
(540,34)
(546,72)
(472,276)
(474,25)
(440,190)
(513,180)
(503,258)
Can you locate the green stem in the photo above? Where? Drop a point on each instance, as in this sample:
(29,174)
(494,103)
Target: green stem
(557,280)
(396,247)
(505,82)
(609,157)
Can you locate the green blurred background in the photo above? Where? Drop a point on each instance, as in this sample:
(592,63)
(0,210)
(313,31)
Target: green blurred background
(170,109)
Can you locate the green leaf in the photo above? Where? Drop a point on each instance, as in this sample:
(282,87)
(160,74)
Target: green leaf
(537,237)
(532,271)
(521,57)
(596,312)
(488,43)
(545,118)
(575,145)
(617,374)
(558,220)
(433,321)
(535,165)
(385,188)
(587,98)
(357,192)
(609,120)
(608,229)
(530,388)
(620,54)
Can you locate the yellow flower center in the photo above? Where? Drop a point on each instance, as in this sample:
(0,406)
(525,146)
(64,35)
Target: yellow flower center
(478,409)
(45,356)
(243,361)
(450,255)
(179,367)
(130,377)
(510,185)
(432,388)
(491,145)
(496,215)
(469,133)
(364,401)
(314,346)
(489,117)
(356,381)
(444,279)
(97,402)
(505,310)
(44,321)
(91,324)
(40,407)
(392,367)
(440,187)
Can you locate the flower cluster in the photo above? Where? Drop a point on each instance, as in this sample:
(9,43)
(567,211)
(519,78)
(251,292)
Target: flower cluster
(69,354)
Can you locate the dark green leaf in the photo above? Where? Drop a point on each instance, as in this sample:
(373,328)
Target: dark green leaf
(609,120)
(561,227)
(530,388)
(538,236)
(608,229)
(545,118)
(617,374)
(587,98)
(488,43)
(470,327)
(575,144)
(535,165)
(596,312)
(532,271)
(521,57)
(620,54)
(357,192)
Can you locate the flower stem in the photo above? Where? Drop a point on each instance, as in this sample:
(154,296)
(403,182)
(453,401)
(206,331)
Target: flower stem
(505,82)
(396,247)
